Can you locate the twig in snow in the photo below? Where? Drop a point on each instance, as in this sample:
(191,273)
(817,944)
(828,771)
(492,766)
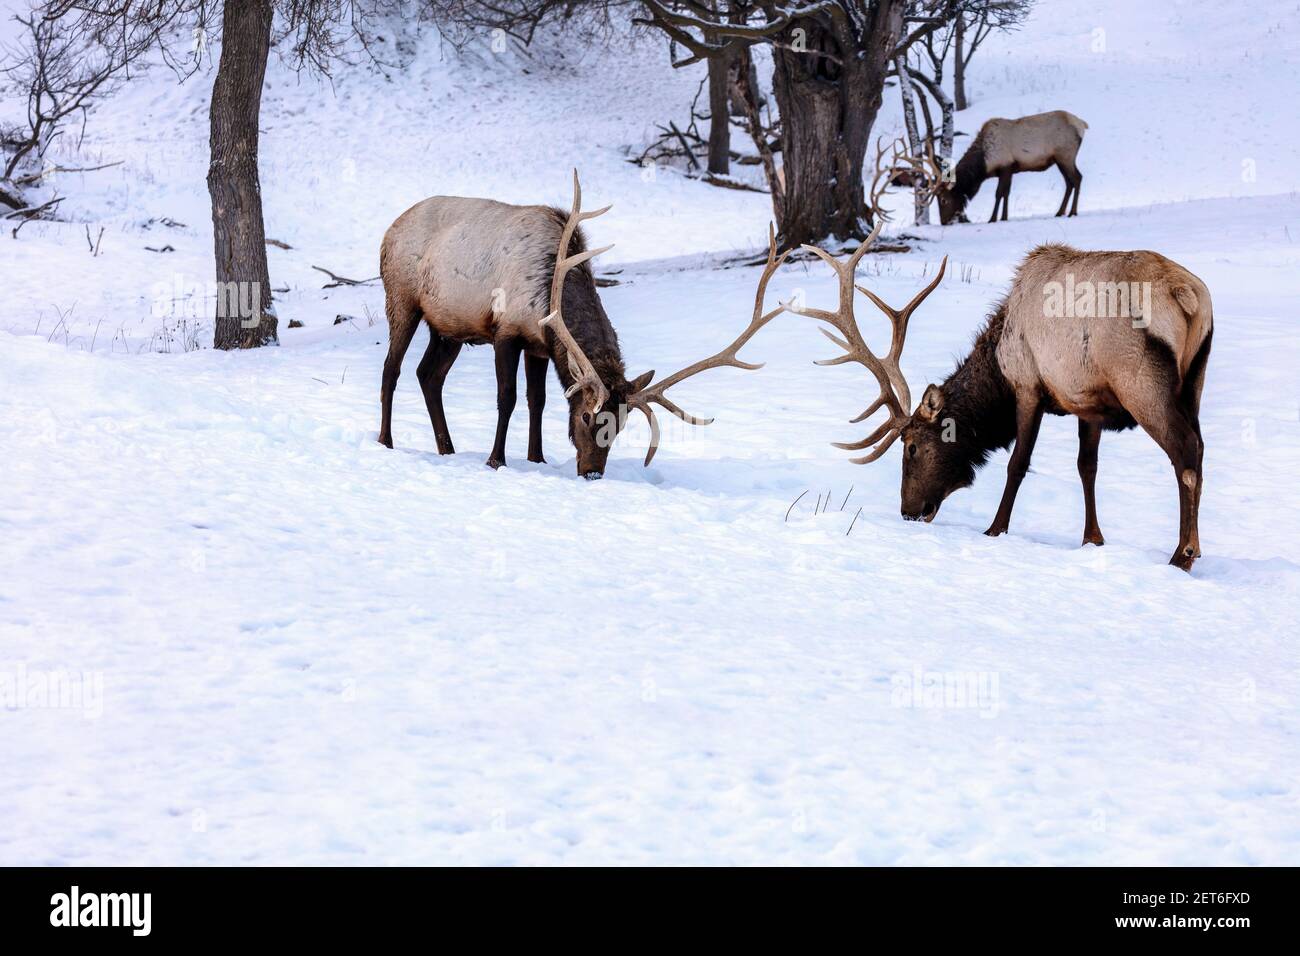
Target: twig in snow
(793,503)
(852,523)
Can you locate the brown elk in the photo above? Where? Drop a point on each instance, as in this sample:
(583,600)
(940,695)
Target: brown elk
(478,271)
(1113,338)
(1004,147)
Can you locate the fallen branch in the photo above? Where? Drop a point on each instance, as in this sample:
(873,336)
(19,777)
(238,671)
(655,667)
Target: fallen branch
(342,280)
(30,213)
(727,182)
(50,171)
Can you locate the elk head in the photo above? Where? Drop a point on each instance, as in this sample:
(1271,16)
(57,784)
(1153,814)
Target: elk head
(600,414)
(952,205)
(932,467)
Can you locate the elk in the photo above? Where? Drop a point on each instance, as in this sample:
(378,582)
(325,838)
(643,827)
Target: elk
(1067,339)
(476,271)
(1004,147)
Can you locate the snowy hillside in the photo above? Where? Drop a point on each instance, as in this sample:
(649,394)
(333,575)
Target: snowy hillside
(301,647)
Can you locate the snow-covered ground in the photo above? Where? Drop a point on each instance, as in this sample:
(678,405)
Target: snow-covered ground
(290,644)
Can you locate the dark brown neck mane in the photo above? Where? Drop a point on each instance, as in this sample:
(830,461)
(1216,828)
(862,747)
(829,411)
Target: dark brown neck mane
(969,174)
(584,316)
(978,398)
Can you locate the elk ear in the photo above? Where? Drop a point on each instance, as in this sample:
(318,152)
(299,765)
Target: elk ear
(931,404)
(641,381)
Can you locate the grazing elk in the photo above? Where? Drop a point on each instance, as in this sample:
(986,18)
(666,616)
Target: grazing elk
(1004,147)
(1113,338)
(478,271)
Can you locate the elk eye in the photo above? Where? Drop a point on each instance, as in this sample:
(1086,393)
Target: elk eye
(586,418)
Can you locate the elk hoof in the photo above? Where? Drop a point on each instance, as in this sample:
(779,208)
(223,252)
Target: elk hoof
(1184,558)
(386,441)
(1093,537)
(995,530)
(495,463)
(537,459)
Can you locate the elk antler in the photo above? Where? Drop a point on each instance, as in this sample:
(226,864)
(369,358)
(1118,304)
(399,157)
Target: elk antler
(928,168)
(584,373)
(894,393)
(883,175)
(655,393)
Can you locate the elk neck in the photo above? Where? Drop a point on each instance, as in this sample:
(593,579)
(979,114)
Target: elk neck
(970,173)
(585,318)
(978,397)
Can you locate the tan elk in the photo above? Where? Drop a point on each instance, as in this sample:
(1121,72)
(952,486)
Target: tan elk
(476,271)
(1113,338)
(1004,147)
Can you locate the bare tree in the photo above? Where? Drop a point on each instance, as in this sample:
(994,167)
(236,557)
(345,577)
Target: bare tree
(464,21)
(312,31)
(238,231)
(830,60)
(974,22)
(61,75)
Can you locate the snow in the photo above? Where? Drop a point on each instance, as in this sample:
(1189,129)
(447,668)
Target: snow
(289,644)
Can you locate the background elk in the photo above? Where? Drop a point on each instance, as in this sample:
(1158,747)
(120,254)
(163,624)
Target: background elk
(1111,371)
(478,271)
(1004,147)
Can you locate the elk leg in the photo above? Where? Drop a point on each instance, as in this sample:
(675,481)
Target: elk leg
(997,198)
(1178,435)
(432,373)
(535,376)
(1028,418)
(507,355)
(1006,197)
(1069,188)
(402,322)
(1089,439)
(1078,180)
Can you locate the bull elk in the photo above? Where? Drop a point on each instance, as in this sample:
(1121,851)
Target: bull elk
(478,271)
(1047,347)
(1005,147)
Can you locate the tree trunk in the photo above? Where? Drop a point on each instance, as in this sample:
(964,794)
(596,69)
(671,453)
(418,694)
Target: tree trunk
(719,115)
(921,207)
(245,317)
(959,65)
(828,87)
(744,91)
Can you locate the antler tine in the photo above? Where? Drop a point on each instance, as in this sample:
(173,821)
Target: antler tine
(843,320)
(583,372)
(899,319)
(894,395)
(654,394)
(880,181)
